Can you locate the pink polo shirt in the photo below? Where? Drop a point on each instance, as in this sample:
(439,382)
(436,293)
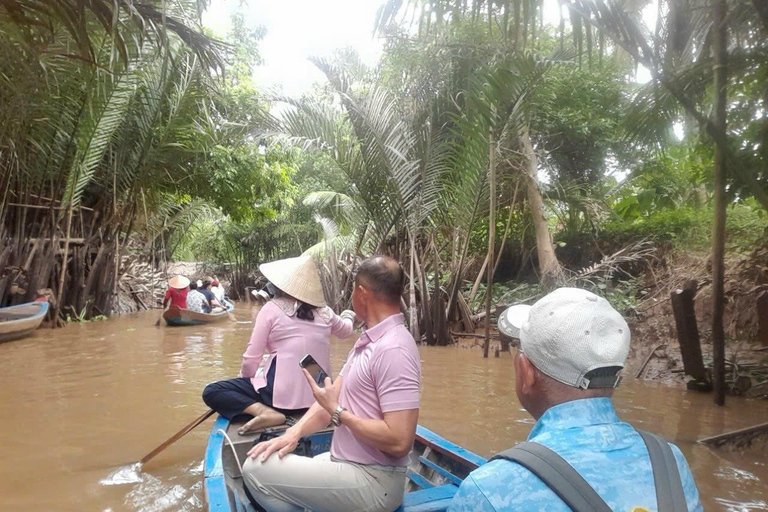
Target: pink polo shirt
(288,338)
(382,374)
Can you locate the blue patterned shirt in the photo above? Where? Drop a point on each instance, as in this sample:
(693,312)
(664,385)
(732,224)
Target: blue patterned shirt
(607,452)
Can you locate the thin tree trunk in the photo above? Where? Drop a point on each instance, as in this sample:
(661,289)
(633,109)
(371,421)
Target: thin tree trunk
(412,311)
(549,267)
(460,269)
(506,228)
(480,274)
(491,240)
(478,280)
(562,27)
(426,317)
(718,234)
(588,28)
(526,18)
(63,275)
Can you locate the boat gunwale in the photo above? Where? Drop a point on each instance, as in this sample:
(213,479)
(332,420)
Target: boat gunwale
(217,493)
(17,328)
(175,316)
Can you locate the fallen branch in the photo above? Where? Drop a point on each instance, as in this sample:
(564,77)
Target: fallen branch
(648,359)
(472,335)
(740,438)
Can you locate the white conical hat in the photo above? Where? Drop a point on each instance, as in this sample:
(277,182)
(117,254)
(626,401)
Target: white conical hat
(297,277)
(179,282)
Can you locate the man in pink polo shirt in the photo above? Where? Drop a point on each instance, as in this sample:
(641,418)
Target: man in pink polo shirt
(374,404)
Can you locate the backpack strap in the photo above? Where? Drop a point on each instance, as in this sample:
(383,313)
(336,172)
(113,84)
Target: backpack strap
(666,477)
(558,475)
(576,492)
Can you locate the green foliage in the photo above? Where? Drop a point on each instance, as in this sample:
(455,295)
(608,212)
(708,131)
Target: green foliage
(81,317)
(691,228)
(668,180)
(577,119)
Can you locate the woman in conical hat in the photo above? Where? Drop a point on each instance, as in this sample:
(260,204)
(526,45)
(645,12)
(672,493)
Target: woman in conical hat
(296,322)
(176,294)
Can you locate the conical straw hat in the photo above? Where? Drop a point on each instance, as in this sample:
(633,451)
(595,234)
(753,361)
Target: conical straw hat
(178,282)
(297,277)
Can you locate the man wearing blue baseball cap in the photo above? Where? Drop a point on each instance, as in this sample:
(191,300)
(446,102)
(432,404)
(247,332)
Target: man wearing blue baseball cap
(579,456)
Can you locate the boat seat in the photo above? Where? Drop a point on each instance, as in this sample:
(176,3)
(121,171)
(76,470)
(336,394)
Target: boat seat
(431,499)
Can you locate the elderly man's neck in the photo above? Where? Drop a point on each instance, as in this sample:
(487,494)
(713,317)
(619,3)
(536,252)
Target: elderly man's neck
(557,396)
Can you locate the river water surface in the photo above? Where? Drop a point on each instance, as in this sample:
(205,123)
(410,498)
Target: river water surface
(78,403)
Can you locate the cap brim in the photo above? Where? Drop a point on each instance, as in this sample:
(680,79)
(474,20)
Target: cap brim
(512,319)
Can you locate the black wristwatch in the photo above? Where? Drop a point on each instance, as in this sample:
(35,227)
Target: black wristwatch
(336,416)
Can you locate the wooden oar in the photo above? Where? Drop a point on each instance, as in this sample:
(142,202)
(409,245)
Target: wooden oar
(175,437)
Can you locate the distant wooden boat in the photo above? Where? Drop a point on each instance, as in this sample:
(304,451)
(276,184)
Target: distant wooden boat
(18,322)
(437,468)
(175,316)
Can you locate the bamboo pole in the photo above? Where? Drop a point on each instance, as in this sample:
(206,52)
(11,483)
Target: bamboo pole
(718,234)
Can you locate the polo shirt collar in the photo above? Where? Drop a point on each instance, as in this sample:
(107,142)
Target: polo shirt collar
(373,334)
(575,414)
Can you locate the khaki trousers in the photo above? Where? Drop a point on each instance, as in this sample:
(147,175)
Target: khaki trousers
(295,483)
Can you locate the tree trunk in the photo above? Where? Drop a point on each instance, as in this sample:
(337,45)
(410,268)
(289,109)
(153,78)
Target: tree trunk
(506,228)
(63,275)
(478,280)
(412,311)
(426,313)
(718,235)
(491,240)
(549,267)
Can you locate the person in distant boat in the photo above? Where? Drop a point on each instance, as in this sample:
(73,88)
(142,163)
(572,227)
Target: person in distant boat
(213,302)
(176,294)
(573,345)
(196,301)
(374,404)
(218,290)
(296,322)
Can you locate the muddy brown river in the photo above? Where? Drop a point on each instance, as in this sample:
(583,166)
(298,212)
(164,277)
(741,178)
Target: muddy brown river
(80,402)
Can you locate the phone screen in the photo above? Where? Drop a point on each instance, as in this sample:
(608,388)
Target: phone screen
(315,370)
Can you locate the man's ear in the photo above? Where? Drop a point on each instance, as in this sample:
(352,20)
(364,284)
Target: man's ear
(527,373)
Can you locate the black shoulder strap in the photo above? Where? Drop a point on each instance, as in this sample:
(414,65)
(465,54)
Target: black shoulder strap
(666,477)
(558,475)
(576,492)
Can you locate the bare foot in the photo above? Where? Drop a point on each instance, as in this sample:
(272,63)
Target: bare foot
(263,417)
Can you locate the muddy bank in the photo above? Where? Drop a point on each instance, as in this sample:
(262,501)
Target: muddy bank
(653,325)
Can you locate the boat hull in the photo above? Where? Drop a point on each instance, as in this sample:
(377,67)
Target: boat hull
(178,317)
(17,322)
(436,470)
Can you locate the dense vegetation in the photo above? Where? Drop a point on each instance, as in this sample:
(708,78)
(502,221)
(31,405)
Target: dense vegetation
(485,146)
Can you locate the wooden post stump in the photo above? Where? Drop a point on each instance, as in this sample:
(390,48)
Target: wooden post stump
(762,318)
(688,335)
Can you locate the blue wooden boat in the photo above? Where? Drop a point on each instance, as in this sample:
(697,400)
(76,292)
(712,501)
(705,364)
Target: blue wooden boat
(437,468)
(18,322)
(176,317)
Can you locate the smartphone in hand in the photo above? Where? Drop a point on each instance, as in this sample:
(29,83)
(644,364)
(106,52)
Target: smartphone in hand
(315,370)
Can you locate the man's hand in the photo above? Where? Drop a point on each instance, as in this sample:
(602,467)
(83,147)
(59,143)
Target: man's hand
(327,397)
(283,445)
